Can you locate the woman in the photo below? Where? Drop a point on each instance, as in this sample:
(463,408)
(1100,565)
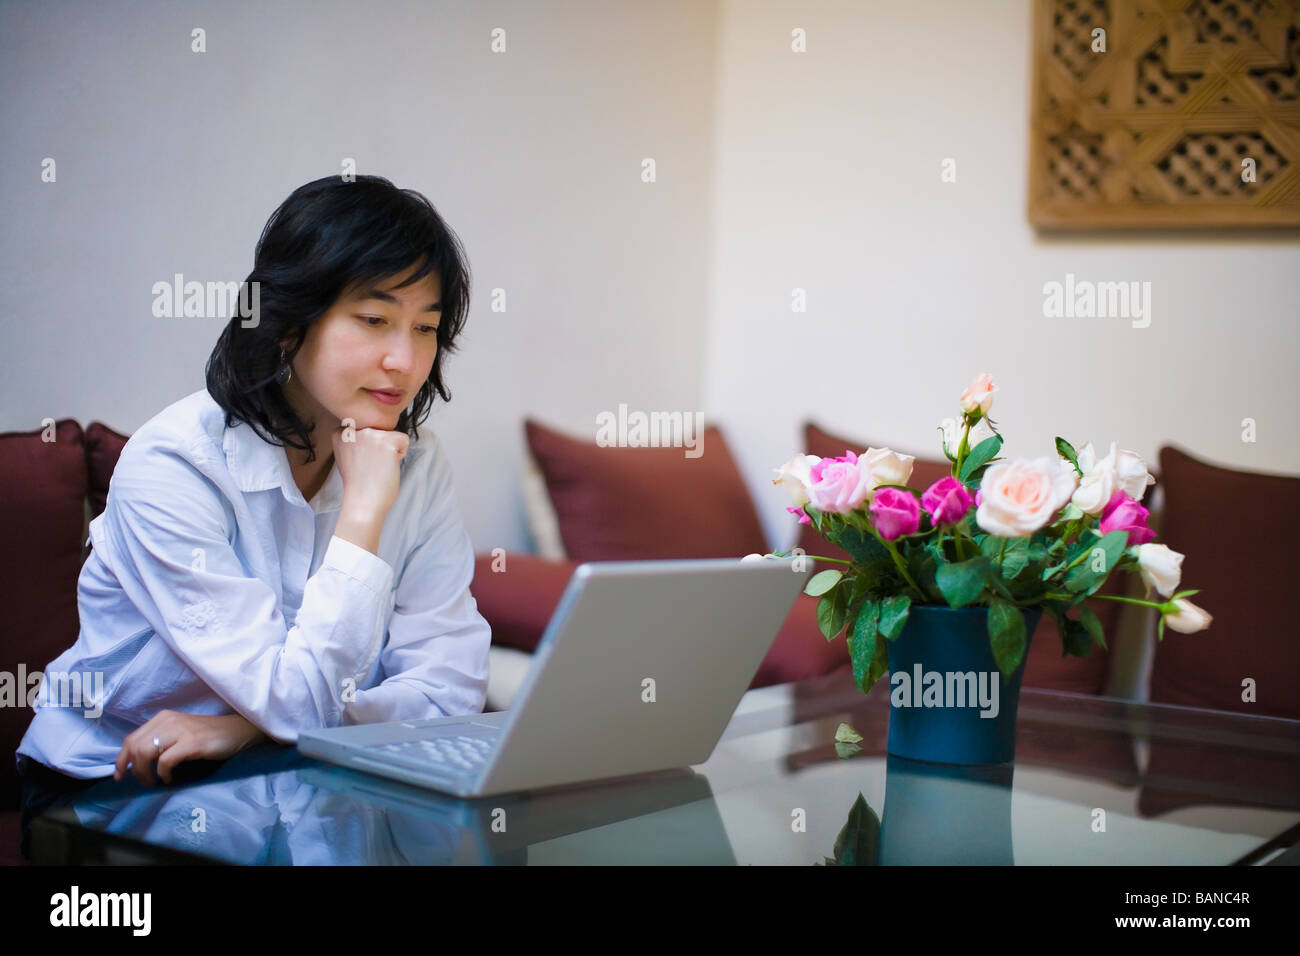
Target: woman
(283,549)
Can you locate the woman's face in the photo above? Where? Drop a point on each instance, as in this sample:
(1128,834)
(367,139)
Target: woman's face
(373,338)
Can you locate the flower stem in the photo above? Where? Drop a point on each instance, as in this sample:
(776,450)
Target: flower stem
(902,569)
(963,449)
(1165,607)
(815,557)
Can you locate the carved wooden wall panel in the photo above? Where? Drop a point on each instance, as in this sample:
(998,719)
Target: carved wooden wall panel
(1154,130)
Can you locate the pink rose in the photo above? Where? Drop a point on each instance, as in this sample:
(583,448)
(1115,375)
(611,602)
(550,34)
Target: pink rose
(1122,513)
(803,515)
(946,501)
(895,513)
(839,485)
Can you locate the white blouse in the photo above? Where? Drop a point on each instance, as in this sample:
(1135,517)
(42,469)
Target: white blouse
(214,587)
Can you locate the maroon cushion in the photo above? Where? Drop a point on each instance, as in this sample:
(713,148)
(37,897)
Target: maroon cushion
(1236,529)
(800,650)
(1045,666)
(518,599)
(616,503)
(103,447)
(42,511)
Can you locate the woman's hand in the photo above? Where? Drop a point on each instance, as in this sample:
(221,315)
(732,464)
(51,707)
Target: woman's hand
(369,463)
(183,737)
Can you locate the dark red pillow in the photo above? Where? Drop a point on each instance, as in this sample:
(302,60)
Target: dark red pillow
(42,512)
(517,594)
(103,447)
(1236,530)
(1045,666)
(615,504)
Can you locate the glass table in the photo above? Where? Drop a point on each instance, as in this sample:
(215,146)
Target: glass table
(1096,781)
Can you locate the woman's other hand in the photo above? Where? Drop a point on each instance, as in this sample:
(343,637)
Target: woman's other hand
(183,737)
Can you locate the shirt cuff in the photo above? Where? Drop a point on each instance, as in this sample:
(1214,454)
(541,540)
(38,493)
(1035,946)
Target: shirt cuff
(356,562)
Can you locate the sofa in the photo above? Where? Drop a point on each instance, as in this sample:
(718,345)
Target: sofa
(53,480)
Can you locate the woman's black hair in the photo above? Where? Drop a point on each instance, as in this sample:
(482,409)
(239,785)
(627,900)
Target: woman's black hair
(330,236)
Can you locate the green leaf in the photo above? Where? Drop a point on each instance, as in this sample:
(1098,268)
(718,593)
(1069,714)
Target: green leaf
(963,582)
(847,735)
(1083,578)
(922,565)
(893,615)
(1092,625)
(866,580)
(1075,639)
(831,613)
(822,581)
(1066,451)
(862,644)
(859,838)
(1015,557)
(980,455)
(879,664)
(1006,635)
(816,516)
(862,546)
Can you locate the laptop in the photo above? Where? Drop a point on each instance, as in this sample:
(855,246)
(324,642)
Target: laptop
(639,670)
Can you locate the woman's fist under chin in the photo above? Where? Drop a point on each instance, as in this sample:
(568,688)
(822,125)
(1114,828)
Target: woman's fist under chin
(369,463)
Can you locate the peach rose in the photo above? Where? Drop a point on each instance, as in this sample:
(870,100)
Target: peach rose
(1019,497)
(979,394)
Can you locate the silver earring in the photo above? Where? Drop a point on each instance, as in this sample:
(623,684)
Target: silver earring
(284,372)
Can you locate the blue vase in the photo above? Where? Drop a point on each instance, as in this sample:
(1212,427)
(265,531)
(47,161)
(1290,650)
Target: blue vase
(965,715)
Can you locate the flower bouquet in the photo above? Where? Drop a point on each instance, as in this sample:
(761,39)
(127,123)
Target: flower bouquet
(1012,537)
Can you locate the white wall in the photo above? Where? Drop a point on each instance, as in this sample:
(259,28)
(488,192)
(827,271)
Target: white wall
(775,171)
(828,179)
(171,161)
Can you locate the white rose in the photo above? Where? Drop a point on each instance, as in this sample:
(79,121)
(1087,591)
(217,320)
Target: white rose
(886,467)
(794,476)
(953,429)
(979,394)
(1188,618)
(1160,567)
(1131,473)
(1098,482)
(1019,497)
(1119,471)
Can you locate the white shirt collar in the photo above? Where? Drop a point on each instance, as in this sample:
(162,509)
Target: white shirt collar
(257,465)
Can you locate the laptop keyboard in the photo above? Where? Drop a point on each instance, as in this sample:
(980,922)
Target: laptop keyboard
(463,752)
